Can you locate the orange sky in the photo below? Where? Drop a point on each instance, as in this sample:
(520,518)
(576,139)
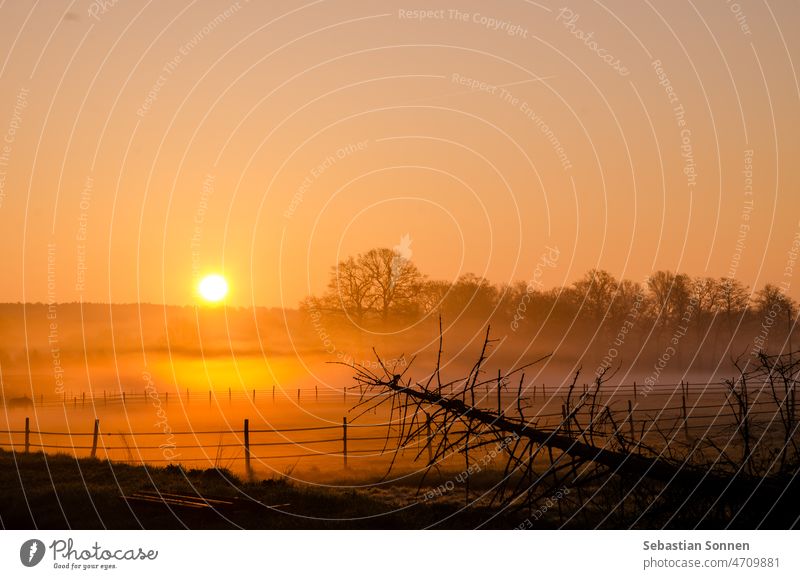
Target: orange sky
(151,142)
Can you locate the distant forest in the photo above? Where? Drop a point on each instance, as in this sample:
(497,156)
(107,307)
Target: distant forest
(720,314)
(380,299)
(381,283)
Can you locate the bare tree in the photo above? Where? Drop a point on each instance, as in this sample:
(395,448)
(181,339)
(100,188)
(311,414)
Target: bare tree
(733,298)
(628,301)
(351,287)
(670,293)
(706,290)
(596,291)
(380,280)
(393,279)
(772,299)
(432,295)
(471,293)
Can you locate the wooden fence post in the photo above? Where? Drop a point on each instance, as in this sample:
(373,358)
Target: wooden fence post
(685,416)
(273,392)
(229,395)
(94,437)
(316,393)
(27,435)
(166,395)
(254,395)
(499,384)
(123,398)
(344,440)
(635,393)
(209,397)
(630,420)
(247,447)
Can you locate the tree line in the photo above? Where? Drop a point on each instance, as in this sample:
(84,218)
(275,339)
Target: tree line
(383,284)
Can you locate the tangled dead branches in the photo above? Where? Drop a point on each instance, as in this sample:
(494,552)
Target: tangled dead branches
(589,447)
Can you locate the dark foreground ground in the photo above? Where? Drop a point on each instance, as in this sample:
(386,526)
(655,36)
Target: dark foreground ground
(61,492)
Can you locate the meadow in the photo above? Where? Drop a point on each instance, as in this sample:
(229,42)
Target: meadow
(284,404)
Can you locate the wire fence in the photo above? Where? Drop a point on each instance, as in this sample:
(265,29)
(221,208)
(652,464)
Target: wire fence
(122,397)
(134,446)
(699,410)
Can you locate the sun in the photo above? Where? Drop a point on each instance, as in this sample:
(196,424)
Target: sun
(213,288)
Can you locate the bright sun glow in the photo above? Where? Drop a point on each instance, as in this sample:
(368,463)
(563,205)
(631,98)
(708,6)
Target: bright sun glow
(213,288)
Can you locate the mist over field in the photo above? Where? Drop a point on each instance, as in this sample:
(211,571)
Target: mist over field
(516,264)
(73,348)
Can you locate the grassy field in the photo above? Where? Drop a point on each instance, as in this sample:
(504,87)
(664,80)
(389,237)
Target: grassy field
(60,492)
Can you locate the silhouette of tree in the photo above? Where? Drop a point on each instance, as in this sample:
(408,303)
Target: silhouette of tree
(670,295)
(380,281)
(510,296)
(384,282)
(394,280)
(706,291)
(432,295)
(772,299)
(472,293)
(595,293)
(351,287)
(628,301)
(733,298)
